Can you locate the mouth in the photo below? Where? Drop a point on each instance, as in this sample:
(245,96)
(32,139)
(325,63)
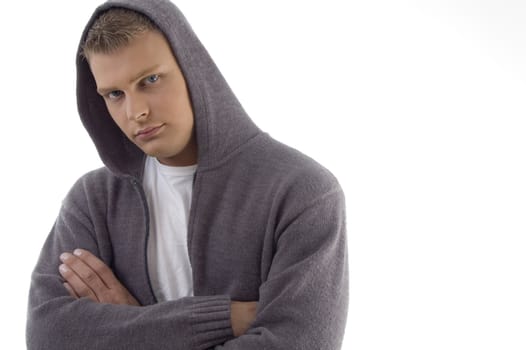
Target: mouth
(148,132)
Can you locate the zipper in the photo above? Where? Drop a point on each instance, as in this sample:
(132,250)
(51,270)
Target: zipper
(139,189)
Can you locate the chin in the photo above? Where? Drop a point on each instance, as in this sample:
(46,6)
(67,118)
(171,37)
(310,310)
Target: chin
(161,155)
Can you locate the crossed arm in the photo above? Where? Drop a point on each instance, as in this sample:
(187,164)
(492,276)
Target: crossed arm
(301,303)
(86,276)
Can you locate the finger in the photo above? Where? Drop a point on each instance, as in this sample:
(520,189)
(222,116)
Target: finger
(79,288)
(88,275)
(103,271)
(70,290)
(84,271)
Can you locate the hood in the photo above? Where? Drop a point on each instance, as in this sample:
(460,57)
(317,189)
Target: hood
(221,124)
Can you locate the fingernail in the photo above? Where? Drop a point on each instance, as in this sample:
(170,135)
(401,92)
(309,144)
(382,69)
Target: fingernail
(63,268)
(64,256)
(77,252)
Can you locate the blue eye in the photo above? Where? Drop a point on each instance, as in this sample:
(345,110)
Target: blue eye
(113,95)
(152,78)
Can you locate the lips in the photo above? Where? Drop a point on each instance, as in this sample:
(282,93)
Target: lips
(148,132)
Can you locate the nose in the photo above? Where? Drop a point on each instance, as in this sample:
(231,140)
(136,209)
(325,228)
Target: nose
(136,107)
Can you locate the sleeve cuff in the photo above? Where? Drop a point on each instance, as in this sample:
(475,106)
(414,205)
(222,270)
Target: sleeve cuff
(211,323)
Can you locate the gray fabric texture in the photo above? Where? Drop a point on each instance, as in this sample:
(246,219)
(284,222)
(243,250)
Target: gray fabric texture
(267,224)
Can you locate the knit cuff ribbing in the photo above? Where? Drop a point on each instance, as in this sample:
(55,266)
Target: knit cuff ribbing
(210,319)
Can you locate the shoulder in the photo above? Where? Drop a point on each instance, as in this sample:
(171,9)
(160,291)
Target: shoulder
(297,180)
(98,179)
(306,196)
(297,169)
(95,185)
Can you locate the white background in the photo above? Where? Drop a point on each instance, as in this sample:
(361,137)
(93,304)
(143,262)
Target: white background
(416,106)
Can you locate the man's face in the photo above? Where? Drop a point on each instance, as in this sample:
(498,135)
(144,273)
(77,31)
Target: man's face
(146,95)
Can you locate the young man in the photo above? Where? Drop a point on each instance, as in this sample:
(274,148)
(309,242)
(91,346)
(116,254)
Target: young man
(201,231)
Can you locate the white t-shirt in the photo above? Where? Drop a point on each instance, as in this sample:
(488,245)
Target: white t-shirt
(169,194)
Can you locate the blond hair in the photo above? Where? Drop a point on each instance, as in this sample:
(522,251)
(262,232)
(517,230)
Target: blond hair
(114,29)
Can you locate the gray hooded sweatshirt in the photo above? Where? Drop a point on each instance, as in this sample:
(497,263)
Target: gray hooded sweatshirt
(266,224)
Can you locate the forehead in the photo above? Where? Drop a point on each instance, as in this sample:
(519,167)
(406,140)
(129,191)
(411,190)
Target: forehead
(149,49)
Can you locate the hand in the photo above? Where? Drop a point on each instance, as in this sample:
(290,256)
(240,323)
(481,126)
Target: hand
(87,276)
(242,314)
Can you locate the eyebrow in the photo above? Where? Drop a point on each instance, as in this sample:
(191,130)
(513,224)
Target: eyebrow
(103,91)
